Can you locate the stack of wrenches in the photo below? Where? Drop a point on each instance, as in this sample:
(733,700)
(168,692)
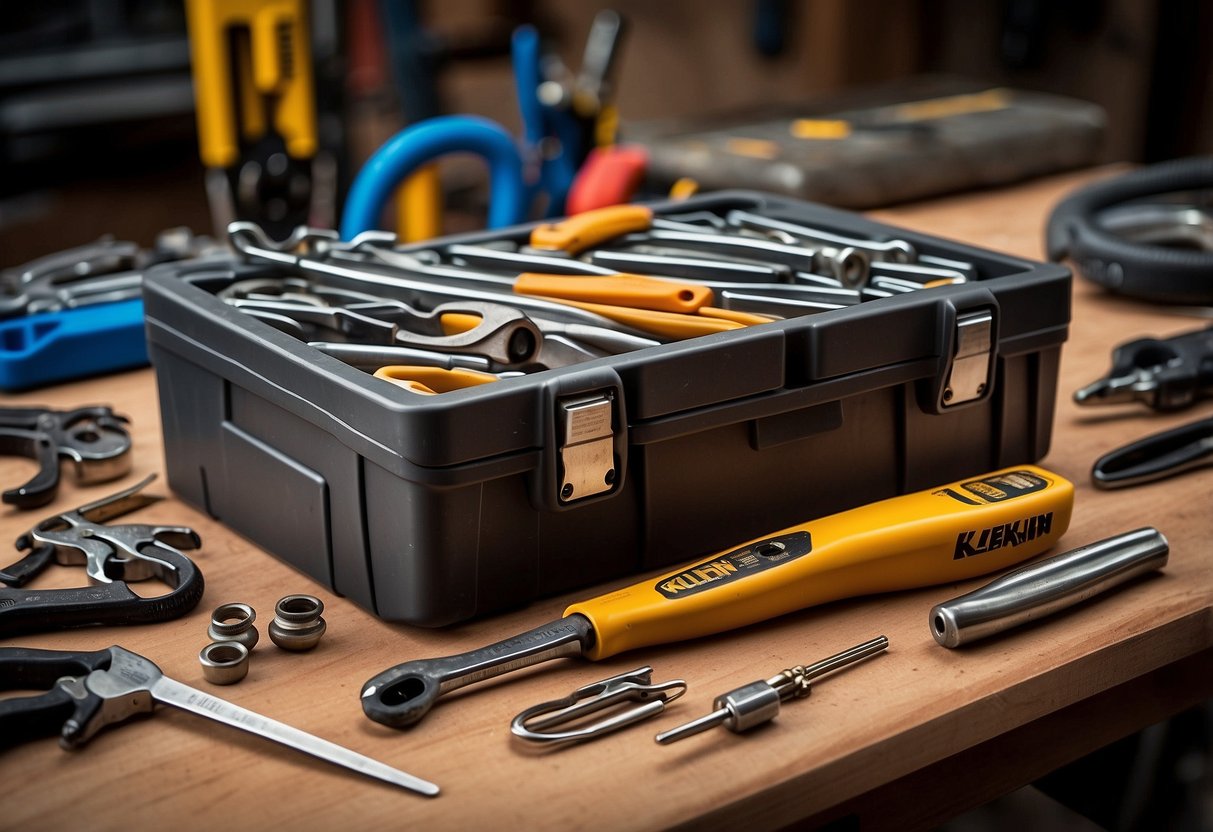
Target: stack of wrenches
(594,285)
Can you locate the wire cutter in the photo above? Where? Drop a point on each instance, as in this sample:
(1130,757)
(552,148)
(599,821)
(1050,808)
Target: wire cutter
(94,438)
(1162,373)
(112,557)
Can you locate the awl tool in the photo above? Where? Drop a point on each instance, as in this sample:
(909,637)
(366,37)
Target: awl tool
(758,702)
(945,534)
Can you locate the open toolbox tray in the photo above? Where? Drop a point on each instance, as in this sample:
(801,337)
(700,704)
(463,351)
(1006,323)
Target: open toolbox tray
(434,509)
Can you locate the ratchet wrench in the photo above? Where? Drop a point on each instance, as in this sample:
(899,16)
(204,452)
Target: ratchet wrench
(950,533)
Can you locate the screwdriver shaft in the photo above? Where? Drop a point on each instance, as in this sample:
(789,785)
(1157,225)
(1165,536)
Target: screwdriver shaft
(695,726)
(182,696)
(758,702)
(855,654)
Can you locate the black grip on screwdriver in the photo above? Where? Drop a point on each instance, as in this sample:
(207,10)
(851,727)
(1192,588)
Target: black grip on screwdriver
(32,717)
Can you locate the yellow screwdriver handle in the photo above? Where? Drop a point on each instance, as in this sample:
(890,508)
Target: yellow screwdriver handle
(942,535)
(589,228)
(631,290)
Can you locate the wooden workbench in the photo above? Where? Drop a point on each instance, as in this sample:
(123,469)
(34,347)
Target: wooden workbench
(901,740)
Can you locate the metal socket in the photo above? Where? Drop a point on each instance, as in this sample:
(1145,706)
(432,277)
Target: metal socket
(234,622)
(297,623)
(224,662)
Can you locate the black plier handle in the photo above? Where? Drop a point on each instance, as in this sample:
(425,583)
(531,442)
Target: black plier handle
(58,672)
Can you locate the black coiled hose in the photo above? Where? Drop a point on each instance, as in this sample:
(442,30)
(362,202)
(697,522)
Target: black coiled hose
(1150,272)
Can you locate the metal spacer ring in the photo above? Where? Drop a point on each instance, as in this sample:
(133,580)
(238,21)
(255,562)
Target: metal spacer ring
(224,662)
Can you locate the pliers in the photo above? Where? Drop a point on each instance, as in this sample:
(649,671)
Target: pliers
(112,557)
(1163,373)
(94,438)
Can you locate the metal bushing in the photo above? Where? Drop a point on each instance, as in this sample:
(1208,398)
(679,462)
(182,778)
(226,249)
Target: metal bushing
(297,624)
(224,662)
(234,622)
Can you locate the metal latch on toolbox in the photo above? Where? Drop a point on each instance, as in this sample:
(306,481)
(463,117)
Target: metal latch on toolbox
(969,377)
(587,446)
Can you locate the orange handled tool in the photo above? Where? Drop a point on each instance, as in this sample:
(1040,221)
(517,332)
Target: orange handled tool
(631,290)
(586,230)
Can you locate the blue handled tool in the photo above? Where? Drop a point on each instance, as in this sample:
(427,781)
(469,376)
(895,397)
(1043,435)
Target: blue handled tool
(519,172)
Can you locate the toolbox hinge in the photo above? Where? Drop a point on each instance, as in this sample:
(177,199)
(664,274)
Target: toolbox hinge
(969,374)
(587,446)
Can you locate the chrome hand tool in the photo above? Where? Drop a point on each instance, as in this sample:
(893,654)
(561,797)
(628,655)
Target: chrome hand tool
(95,439)
(112,556)
(408,277)
(89,691)
(1044,588)
(1161,373)
(758,702)
(849,266)
(945,534)
(893,251)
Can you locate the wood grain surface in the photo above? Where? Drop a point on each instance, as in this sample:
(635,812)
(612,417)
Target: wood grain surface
(871,725)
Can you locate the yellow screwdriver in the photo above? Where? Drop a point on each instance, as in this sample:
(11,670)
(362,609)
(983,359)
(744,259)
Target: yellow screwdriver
(942,535)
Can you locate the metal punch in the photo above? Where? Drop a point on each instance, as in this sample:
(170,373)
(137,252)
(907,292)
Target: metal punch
(1047,587)
(536,723)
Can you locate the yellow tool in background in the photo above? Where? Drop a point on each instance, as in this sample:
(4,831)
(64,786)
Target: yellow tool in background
(943,535)
(255,100)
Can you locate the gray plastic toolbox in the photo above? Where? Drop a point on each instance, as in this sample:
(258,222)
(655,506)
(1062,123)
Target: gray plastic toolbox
(430,510)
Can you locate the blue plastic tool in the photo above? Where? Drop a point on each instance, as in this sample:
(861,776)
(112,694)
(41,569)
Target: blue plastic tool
(512,191)
(49,347)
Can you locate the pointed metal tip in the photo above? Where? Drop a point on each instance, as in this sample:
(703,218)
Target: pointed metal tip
(695,726)
(424,787)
